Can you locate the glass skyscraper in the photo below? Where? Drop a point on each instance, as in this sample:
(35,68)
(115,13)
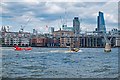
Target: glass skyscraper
(101,23)
(76,25)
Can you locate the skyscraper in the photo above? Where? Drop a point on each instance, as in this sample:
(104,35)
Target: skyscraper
(51,30)
(101,23)
(76,25)
(35,32)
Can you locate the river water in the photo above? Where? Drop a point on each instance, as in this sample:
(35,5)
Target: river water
(58,63)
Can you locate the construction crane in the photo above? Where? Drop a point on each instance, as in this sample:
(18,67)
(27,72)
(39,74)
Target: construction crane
(22,27)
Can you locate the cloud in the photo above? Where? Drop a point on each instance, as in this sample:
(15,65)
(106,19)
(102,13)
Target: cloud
(59,1)
(52,8)
(51,13)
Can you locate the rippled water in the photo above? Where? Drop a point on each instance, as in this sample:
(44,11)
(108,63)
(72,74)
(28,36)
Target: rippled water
(58,63)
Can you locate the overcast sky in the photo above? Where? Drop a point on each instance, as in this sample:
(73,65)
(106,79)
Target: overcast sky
(52,14)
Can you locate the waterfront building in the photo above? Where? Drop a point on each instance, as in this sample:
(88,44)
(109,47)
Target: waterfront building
(101,23)
(42,40)
(15,38)
(117,42)
(85,40)
(76,26)
(39,41)
(95,40)
(67,37)
(50,42)
(91,41)
(60,38)
(64,37)
(115,33)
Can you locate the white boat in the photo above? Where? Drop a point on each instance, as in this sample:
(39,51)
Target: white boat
(70,51)
(107,47)
(74,49)
(107,44)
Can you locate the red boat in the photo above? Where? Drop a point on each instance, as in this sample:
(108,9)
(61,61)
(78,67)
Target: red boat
(28,48)
(20,49)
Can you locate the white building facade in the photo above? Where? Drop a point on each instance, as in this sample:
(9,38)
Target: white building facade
(15,38)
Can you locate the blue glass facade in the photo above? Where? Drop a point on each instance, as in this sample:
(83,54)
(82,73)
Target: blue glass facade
(101,23)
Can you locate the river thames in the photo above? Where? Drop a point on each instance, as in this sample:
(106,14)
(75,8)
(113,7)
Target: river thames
(58,63)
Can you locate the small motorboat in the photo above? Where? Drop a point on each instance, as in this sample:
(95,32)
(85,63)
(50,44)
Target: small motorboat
(18,48)
(74,49)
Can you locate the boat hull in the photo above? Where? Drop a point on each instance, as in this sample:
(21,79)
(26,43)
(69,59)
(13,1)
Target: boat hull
(107,50)
(74,50)
(16,48)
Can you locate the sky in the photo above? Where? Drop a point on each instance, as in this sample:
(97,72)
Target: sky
(36,15)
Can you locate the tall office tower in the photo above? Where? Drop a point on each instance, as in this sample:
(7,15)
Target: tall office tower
(101,23)
(51,30)
(76,25)
(35,32)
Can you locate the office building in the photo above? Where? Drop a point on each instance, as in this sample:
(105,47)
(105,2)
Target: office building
(101,23)
(76,26)
(64,37)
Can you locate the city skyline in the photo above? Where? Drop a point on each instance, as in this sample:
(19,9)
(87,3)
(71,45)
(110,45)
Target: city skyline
(52,14)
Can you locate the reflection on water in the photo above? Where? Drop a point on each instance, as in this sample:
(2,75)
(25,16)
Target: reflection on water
(57,63)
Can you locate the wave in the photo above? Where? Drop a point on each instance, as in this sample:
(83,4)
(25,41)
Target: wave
(66,51)
(6,49)
(57,51)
